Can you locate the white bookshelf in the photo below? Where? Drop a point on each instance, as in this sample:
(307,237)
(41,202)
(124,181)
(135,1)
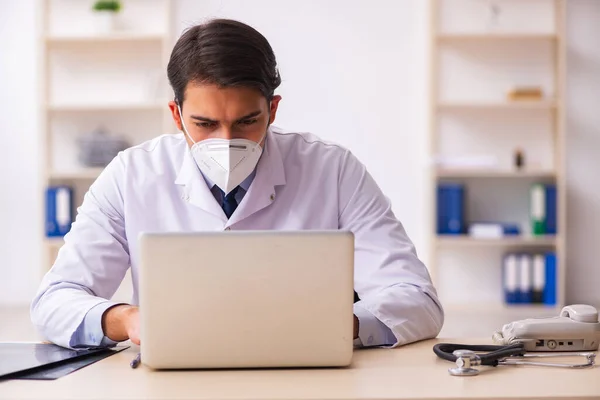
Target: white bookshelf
(130,37)
(91,79)
(54,243)
(486,37)
(495,173)
(497,106)
(476,59)
(80,174)
(99,107)
(509,241)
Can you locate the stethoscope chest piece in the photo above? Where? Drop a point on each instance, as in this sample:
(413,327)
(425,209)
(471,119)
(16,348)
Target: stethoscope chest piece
(465,361)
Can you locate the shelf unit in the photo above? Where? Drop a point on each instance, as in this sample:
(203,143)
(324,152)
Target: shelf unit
(521,310)
(494,173)
(105,107)
(93,78)
(54,243)
(450,39)
(520,241)
(497,106)
(106,38)
(82,174)
(486,37)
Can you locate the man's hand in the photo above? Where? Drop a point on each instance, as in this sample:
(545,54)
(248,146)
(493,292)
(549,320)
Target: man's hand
(356,326)
(122,322)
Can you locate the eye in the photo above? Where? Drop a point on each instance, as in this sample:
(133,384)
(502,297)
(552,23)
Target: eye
(248,121)
(205,125)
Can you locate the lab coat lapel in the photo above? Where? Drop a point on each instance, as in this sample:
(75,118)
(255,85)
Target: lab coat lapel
(269,174)
(195,190)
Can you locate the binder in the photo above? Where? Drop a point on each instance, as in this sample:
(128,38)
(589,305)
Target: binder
(450,209)
(539,278)
(493,230)
(511,279)
(59,214)
(525,279)
(551,277)
(550,225)
(538,209)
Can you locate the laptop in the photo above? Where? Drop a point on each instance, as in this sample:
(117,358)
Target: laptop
(246,299)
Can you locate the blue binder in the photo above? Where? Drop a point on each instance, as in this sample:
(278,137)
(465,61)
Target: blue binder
(59,210)
(450,209)
(551,277)
(510,277)
(539,278)
(550,209)
(525,278)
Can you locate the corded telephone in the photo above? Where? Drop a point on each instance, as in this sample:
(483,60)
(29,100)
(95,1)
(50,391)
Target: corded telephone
(576,329)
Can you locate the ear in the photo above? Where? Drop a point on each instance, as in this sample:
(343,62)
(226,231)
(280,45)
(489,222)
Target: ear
(273,111)
(175,114)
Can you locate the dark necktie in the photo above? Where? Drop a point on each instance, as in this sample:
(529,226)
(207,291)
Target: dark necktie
(228,203)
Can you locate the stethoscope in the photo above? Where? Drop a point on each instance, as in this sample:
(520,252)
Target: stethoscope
(468,356)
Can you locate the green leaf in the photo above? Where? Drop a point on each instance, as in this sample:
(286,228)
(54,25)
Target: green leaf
(106,5)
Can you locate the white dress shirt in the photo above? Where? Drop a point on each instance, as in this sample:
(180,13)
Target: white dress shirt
(300,183)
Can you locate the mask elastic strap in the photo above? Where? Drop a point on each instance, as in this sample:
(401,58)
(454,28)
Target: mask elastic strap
(263,138)
(183,124)
(267,130)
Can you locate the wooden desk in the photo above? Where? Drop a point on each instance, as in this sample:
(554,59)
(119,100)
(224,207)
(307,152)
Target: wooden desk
(409,372)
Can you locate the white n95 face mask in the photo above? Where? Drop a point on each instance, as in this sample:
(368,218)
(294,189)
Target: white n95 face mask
(225,162)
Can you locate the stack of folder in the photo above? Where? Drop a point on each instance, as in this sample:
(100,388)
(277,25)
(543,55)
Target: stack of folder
(530,278)
(543,209)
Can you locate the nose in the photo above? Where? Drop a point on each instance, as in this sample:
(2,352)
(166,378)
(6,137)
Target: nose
(226,133)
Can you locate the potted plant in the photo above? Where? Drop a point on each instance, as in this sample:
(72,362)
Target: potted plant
(106,12)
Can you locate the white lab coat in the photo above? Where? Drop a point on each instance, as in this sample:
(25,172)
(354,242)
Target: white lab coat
(301,183)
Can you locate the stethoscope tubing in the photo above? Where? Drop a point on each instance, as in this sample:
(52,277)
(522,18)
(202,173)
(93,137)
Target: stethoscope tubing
(493,354)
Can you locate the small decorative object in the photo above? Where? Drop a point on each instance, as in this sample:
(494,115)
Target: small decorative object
(525,93)
(519,159)
(98,148)
(106,14)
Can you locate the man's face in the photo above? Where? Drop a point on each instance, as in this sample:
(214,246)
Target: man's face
(226,113)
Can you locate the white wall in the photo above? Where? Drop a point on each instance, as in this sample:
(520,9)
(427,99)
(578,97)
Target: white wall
(583,154)
(20,190)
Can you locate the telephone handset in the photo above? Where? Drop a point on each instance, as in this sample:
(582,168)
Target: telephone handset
(576,329)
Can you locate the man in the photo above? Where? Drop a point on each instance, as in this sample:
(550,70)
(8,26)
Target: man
(230,169)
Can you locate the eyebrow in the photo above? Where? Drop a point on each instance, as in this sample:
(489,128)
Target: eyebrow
(245,117)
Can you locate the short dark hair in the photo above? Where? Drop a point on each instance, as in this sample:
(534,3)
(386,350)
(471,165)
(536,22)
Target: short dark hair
(226,53)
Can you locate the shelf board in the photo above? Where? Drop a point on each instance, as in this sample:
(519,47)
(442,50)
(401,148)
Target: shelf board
(502,106)
(81,174)
(451,37)
(493,173)
(527,310)
(114,37)
(465,240)
(54,242)
(108,107)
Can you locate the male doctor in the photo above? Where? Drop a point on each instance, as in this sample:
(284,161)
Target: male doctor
(230,169)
